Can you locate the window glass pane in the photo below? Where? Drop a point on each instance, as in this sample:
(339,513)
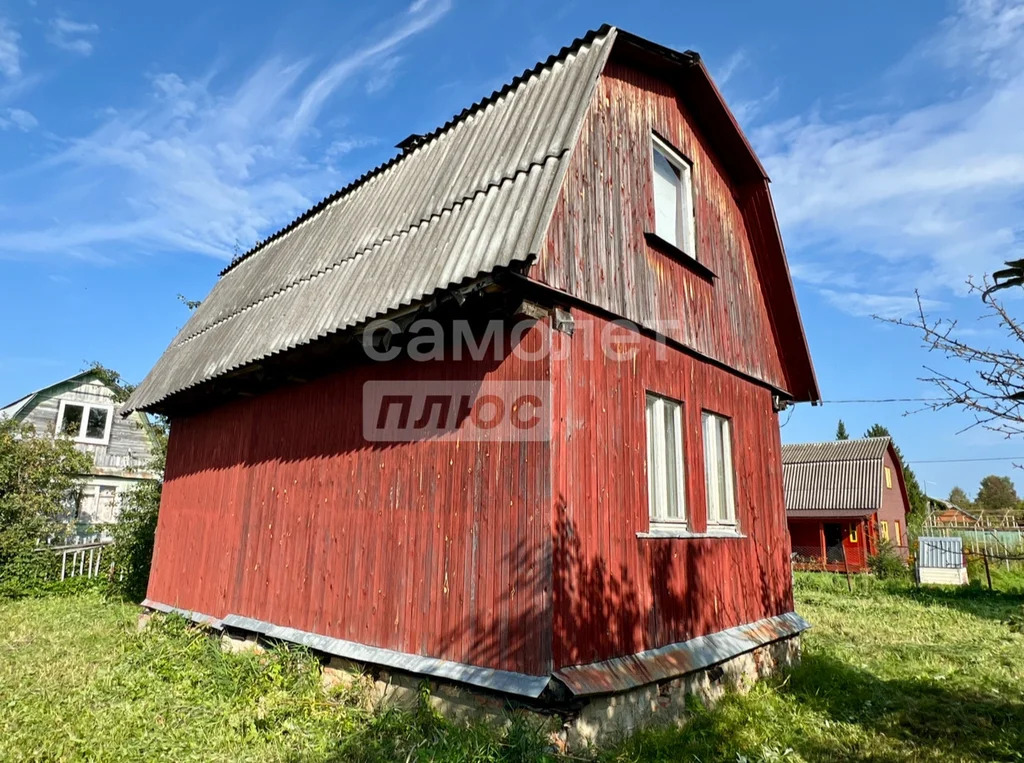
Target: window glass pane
(672,465)
(665,459)
(710,458)
(718,470)
(71,424)
(96,427)
(666,199)
(728,500)
(687,221)
(652,482)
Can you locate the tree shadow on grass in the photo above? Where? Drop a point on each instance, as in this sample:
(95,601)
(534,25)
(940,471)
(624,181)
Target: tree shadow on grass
(826,709)
(920,713)
(972,600)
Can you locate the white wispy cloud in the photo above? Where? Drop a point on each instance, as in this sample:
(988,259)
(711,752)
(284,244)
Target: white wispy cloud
(734,63)
(383,75)
(421,15)
(74,36)
(203,165)
(920,197)
(17,118)
(883,305)
(10,51)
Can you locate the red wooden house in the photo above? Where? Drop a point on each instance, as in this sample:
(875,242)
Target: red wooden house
(842,497)
(601,225)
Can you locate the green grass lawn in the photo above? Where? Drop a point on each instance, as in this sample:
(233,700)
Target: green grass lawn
(889,673)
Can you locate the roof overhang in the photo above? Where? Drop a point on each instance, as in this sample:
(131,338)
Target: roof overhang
(828,513)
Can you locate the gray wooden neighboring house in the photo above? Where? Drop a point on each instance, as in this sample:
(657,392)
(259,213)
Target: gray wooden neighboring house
(83,408)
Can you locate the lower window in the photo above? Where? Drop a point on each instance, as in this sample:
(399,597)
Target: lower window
(665,486)
(718,472)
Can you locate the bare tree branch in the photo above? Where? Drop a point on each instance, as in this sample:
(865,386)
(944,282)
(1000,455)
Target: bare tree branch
(988,383)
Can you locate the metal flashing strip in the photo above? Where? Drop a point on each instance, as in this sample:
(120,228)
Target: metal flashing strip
(488,678)
(197,617)
(674,660)
(617,674)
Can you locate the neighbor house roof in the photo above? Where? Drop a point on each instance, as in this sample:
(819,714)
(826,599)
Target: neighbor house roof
(11,410)
(471,197)
(837,478)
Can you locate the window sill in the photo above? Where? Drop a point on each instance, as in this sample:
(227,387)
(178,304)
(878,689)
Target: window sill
(689,262)
(656,533)
(86,441)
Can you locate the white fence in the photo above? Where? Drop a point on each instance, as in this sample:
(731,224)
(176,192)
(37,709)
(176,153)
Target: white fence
(84,560)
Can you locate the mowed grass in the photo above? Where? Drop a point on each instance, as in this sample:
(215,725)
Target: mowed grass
(889,673)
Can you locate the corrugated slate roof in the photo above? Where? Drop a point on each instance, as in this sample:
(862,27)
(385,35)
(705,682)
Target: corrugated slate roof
(837,478)
(474,196)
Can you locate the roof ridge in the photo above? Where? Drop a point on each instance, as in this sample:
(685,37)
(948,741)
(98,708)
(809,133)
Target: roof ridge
(432,217)
(831,442)
(427,138)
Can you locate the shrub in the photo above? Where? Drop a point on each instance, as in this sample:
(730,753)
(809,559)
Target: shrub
(887,562)
(135,531)
(38,482)
(133,535)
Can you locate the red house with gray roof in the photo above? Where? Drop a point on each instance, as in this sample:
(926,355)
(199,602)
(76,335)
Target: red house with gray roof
(842,497)
(592,506)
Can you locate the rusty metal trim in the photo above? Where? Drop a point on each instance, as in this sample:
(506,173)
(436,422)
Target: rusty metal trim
(674,660)
(197,617)
(488,678)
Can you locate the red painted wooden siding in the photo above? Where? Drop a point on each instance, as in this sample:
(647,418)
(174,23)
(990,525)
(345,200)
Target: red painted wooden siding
(596,248)
(617,594)
(274,507)
(518,556)
(894,501)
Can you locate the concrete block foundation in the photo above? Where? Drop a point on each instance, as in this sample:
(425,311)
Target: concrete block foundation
(573,722)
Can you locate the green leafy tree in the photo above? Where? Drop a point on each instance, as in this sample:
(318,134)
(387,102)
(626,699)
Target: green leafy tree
(918,504)
(122,390)
(841,433)
(959,498)
(996,494)
(38,487)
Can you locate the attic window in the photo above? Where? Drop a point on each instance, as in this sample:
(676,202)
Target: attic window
(673,198)
(83,422)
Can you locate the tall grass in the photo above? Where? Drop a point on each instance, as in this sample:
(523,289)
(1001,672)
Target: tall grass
(890,672)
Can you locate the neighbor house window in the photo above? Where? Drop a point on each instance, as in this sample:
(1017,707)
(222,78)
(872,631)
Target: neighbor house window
(888,477)
(673,198)
(883,529)
(899,537)
(665,487)
(84,422)
(718,471)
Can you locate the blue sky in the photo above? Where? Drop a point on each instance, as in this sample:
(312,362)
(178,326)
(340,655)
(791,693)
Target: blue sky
(141,144)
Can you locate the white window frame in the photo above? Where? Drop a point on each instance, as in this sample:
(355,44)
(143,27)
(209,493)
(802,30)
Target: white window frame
(86,408)
(719,462)
(685,238)
(657,479)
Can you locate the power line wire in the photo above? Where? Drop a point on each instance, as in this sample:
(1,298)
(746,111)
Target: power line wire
(889,400)
(962,460)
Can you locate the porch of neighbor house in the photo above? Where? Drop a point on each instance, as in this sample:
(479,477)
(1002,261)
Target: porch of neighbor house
(833,544)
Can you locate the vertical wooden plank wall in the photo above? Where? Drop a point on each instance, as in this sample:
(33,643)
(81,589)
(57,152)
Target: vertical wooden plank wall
(615,593)
(276,508)
(596,249)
